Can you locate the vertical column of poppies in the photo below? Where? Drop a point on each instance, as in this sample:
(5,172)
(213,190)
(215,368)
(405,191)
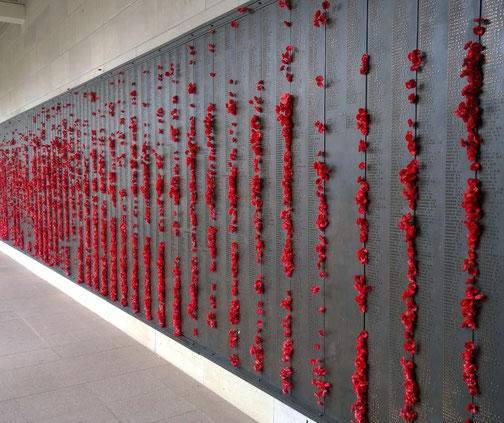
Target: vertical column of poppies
(284,116)
(147,278)
(174,194)
(160,264)
(94,188)
(103,220)
(123,260)
(134,192)
(113,219)
(66,188)
(408,178)
(232,196)
(87,207)
(192,149)
(52,200)
(322,221)
(145,189)
(256,202)
(469,111)
(80,188)
(210,201)
(360,377)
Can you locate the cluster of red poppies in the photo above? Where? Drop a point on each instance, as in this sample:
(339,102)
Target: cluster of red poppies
(286,60)
(469,111)
(160,201)
(177,313)
(360,377)
(284,116)
(174,192)
(234,310)
(113,258)
(134,273)
(410,391)
(257,349)
(147,278)
(322,221)
(192,307)
(232,194)
(144,161)
(160,265)
(256,201)
(192,149)
(80,256)
(470,368)
(320,18)
(408,178)
(123,263)
(287,347)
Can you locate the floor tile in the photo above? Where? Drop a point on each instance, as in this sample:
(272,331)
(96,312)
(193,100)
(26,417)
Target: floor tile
(151,407)
(10,412)
(67,405)
(125,386)
(28,358)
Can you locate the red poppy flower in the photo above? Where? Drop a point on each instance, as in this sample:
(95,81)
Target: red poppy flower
(234,24)
(479,30)
(321,128)
(415,58)
(411,84)
(364,70)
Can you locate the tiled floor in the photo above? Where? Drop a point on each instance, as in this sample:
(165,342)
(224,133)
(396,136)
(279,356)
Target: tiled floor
(60,363)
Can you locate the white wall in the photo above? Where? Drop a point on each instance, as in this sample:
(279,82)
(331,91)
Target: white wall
(64,42)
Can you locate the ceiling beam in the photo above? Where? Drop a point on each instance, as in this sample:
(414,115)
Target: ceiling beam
(12,12)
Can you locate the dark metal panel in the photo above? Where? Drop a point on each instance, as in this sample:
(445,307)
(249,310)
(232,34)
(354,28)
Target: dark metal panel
(221,87)
(431,135)
(345,94)
(307,141)
(379,104)
(244,87)
(274,40)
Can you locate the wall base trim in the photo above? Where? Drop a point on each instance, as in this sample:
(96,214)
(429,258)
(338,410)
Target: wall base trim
(252,401)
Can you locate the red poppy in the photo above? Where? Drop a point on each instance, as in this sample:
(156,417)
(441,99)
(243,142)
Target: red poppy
(364,70)
(411,84)
(321,128)
(479,30)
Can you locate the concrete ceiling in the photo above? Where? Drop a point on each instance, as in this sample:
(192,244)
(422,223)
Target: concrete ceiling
(11,13)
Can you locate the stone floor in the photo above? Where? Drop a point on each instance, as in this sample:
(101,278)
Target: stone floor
(61,363)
